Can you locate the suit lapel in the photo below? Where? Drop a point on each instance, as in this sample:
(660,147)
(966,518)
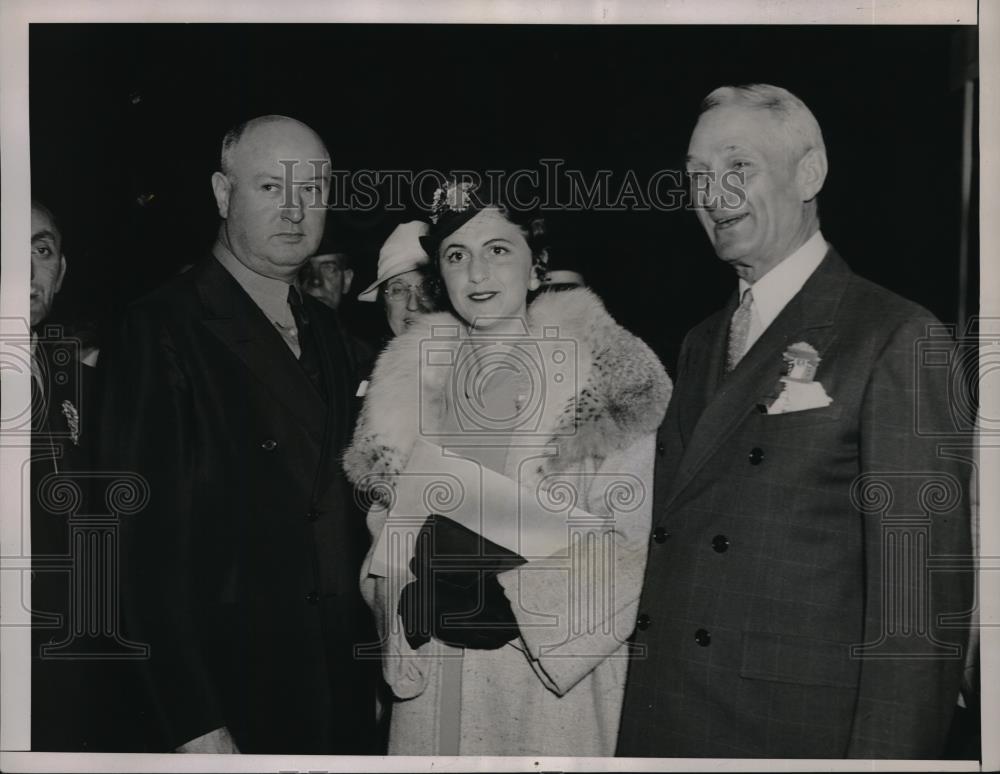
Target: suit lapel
(707,359)
(233,317)
(337,371)
(808,317)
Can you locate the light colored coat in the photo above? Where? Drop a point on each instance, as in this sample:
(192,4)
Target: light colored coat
(556,690)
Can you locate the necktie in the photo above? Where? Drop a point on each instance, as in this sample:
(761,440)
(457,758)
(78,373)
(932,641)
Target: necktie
(739,331)
(308,352)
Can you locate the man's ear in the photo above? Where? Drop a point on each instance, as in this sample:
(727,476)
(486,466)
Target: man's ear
(348,275)
(221,188)
(811,173)
(60,275)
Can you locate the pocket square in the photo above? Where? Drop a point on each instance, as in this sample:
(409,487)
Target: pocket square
(799,396)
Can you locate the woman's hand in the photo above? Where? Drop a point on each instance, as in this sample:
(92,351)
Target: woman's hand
(456,597)
(463,614)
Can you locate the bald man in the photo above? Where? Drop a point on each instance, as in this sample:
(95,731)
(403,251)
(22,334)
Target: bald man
(230,392)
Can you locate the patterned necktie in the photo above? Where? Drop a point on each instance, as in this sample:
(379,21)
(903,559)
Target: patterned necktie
(739,331)
(308,353)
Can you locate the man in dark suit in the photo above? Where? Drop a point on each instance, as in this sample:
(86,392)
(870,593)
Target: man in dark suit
(62,704)
(788,609)
(231,393)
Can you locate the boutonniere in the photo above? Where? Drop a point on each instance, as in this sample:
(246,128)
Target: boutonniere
(72,420)
(797,388)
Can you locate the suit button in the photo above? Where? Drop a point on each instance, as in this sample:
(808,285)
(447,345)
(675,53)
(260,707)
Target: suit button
(660,447)
(702,637)
(756,455)
(269,445)
(312,597)
(312,515)
(643,622)
(720,543)
(660,535)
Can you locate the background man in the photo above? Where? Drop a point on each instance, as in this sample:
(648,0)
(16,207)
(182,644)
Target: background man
(78,701)
(231,393)
(61,390)
(773,497)
(327,276)
(48,264)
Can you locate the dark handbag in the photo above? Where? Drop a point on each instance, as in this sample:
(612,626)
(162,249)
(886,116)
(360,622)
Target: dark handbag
(456,597)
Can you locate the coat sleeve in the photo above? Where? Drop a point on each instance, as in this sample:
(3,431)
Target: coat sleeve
(577,610)
(148,430)
(911,663)
(406,671)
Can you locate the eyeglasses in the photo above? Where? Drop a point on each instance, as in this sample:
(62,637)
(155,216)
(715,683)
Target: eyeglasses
(400,291)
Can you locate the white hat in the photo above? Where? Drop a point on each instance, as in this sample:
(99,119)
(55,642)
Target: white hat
(400,253)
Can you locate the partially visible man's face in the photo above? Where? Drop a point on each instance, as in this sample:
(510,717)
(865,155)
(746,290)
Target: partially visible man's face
(48,266)
(768,223)
(327,278)
(274,211)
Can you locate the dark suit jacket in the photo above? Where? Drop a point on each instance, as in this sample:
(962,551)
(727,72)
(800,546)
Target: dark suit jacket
(780,544)
(242,570)
(80,665)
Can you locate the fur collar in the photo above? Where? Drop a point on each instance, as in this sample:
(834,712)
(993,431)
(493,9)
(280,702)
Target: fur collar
(619,391)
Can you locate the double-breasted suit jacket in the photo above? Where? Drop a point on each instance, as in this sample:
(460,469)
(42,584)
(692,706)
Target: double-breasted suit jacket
(783,542)
(241,570)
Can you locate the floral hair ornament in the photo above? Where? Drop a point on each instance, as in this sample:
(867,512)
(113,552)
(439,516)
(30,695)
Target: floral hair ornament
(455,196)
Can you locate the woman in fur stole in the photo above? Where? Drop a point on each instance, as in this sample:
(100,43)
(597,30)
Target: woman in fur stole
(537,664)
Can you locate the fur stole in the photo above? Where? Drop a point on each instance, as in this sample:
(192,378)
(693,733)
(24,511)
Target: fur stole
(617,393)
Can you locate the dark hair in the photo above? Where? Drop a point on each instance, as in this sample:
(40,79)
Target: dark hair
(531,223)
(41,207)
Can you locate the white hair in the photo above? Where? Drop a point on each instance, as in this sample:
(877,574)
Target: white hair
(795,119)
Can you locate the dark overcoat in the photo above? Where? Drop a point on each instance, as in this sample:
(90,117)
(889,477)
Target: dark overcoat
(241,571)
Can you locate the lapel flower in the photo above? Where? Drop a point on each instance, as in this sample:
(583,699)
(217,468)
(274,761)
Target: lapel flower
(801,362)
(72,420)
(797,389)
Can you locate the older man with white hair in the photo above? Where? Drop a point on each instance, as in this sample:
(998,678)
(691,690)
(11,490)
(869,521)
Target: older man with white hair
(789,608)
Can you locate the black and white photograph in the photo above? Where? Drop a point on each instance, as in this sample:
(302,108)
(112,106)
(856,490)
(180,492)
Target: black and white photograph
(498,387)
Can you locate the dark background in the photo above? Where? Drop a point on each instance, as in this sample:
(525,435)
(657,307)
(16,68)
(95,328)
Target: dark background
(121,113)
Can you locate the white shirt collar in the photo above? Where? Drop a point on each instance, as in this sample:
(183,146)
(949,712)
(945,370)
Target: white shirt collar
(773,291)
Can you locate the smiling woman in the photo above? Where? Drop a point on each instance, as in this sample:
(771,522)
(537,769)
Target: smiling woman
(511,651)
(488,269)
